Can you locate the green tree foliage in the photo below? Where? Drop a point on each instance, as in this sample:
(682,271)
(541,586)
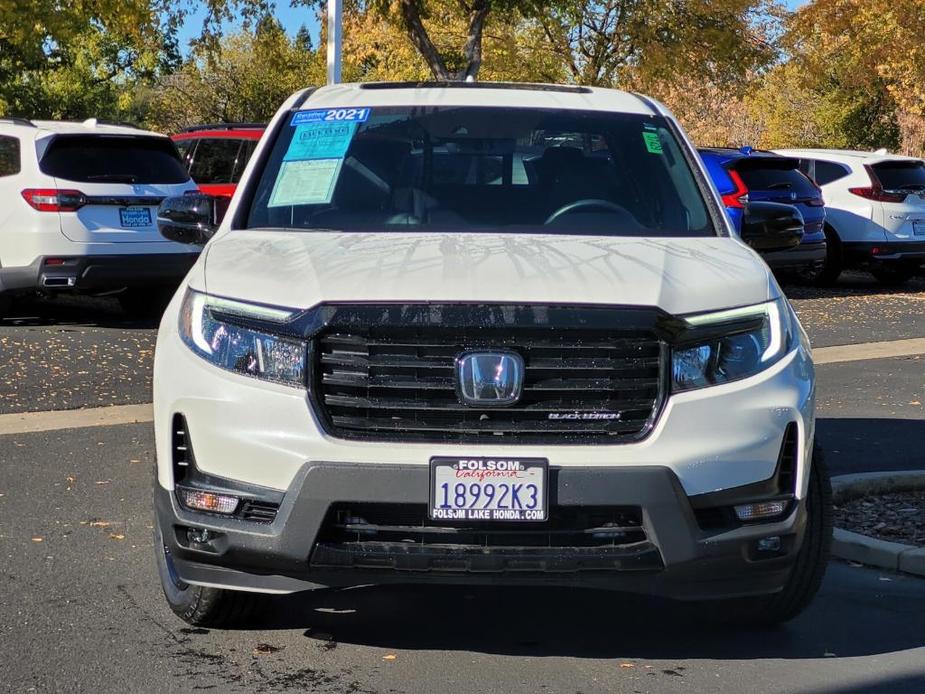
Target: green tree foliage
(243,78)
(98,73)
(616,42)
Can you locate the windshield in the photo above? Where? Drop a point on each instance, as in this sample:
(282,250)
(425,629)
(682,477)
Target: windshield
(479,169)
(114,159)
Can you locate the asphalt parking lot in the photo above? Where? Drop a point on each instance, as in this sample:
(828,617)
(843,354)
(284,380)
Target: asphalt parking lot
(81,610)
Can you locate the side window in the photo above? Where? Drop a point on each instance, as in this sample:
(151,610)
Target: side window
(9,156)
(827,171)
(186,149)
(214,160)
(244,155)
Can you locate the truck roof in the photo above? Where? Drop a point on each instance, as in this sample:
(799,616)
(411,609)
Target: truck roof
(498,94)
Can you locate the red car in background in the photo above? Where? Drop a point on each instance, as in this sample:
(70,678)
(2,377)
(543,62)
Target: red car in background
(217,154)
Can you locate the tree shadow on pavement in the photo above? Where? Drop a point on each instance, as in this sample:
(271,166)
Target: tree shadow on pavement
(857,444)
(856,614)
(73,311)
(850,284)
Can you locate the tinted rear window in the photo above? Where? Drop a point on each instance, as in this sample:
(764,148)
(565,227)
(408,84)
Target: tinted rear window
(113,159)
(782,175)
(903,175)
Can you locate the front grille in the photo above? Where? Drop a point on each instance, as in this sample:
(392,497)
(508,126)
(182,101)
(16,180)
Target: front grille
(394,382)
(402,537)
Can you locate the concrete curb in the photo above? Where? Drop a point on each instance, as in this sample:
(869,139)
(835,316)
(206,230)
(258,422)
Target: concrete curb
(869,550)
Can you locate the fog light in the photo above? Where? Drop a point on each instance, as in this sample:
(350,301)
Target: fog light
(768,544)
(761,510)
(207,501)
(198,536)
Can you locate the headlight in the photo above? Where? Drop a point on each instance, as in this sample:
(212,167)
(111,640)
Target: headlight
(208,327)
(744,342)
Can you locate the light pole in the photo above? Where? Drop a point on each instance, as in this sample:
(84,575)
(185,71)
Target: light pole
(335,23)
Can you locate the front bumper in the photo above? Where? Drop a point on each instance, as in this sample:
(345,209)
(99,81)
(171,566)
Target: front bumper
(870,252)
(680,560)
(98,272)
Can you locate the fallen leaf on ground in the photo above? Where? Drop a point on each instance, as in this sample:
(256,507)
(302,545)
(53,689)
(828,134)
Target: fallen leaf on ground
(99,524)
(265,649)
(116,536)
(390,656)
(627,665)
(103,481)
(38,539)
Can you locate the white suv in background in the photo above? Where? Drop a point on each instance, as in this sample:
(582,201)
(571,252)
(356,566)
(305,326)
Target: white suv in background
(484,333)
(79,207)
(875,211)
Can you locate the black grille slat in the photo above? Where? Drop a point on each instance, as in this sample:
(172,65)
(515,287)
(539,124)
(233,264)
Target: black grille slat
(453,405)
(388,382)
(566,527)
(571,427)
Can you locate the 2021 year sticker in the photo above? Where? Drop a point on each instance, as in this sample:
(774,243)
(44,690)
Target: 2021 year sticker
(331,115)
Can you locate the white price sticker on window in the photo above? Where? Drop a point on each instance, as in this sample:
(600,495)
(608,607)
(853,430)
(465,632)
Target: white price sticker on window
(305,182)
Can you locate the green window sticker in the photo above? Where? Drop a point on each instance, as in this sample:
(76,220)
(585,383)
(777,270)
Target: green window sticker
(653,144)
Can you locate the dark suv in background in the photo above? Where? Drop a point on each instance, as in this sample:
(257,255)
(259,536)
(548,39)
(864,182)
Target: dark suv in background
(748,175)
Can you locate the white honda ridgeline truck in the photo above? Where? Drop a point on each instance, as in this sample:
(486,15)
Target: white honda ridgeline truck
(485,334)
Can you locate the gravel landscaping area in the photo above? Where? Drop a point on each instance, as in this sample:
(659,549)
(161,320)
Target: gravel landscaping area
(895,517)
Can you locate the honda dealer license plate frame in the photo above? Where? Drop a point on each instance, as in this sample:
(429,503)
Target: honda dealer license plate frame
(494,489)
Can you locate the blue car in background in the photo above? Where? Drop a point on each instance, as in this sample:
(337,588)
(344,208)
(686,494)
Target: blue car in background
(748,175)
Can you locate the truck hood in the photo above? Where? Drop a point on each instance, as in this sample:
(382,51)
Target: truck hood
(302,269)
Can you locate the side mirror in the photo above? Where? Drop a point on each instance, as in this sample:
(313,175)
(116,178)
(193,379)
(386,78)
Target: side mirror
(188,218)
(771,226)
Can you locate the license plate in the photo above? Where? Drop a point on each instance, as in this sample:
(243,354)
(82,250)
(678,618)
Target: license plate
(130,217)
(488,489)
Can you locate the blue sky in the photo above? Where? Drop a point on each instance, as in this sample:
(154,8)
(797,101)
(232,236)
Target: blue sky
(294,17)
(290,17)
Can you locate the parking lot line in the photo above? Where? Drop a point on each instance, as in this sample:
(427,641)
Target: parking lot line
(30,422)
(869,350)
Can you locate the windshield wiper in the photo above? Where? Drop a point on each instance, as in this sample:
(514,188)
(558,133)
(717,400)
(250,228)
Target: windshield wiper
(783,185)
(912,186)
(116,178)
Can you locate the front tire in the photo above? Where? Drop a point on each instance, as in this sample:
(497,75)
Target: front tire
(809,568)
(198,605)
